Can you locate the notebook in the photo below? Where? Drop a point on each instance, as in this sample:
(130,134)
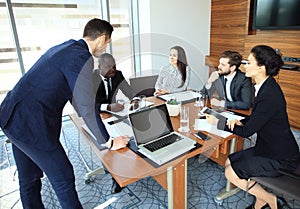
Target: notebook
(154,135)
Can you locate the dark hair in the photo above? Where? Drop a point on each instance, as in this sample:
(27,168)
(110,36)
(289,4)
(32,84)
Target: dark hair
(234,57)
(104,58)
(267,56)
(96,27)
(181,62)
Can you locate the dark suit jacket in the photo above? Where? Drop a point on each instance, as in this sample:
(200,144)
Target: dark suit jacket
(118,83)
(240,90)
(32,110)
(270,121)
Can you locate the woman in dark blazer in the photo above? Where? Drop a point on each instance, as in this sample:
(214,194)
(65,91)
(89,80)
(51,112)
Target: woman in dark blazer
(276,147)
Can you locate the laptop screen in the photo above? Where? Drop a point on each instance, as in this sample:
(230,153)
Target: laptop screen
(144,85)
(150,124)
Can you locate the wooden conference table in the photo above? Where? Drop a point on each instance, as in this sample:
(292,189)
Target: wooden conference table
(127,167)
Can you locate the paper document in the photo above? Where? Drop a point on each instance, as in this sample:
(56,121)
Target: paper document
(181,96)
(118,129)
(231,116)
(203,125)
(126,110)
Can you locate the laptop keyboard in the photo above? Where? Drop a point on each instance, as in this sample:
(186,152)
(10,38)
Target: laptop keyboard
(165,141)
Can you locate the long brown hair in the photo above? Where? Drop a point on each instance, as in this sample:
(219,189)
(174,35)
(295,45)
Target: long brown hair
(181,62)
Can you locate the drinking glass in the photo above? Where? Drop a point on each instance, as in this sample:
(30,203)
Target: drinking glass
(184,119)
(198,102)
(142,103)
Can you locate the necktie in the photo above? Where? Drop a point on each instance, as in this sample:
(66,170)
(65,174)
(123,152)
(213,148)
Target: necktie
(108,89)
(225,81)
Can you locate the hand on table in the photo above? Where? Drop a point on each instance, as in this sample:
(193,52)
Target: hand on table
(160,92)
(118,143)
(232,123)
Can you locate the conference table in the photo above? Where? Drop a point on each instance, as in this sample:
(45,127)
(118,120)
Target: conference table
(127,167)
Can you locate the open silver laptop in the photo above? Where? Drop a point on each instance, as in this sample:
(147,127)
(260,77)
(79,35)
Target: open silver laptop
(144,85)
(154,135)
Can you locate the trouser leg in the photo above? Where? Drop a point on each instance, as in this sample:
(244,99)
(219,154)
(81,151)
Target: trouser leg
(29,180)
(58,169)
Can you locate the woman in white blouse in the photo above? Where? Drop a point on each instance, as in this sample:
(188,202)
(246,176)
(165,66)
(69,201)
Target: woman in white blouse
(174,77)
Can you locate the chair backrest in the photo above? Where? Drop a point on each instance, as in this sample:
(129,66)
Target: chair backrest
(287,185)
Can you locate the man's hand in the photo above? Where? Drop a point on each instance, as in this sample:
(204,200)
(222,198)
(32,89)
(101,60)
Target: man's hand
(217,103)
(115,107)
(213,77)
(120,142)
(211,119)
(134,104)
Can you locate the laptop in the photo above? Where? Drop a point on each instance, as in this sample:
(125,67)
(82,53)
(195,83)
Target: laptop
(144,85)
(154,135)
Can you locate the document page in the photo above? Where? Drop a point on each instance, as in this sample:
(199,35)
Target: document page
(181,96)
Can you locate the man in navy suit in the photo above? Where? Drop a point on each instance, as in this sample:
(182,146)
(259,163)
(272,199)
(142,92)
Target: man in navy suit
(110,80)
(30,115)
(234,89)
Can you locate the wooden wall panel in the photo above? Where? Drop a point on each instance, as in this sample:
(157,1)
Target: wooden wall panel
(230,22)
(291,89)
(287,41)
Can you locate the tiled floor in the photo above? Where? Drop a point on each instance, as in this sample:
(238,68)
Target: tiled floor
(205,180)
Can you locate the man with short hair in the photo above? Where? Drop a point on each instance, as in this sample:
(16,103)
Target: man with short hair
(110,80)
(31,115)
(234,89)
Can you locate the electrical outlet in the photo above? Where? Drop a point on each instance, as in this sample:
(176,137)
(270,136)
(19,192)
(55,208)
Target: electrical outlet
(291,59)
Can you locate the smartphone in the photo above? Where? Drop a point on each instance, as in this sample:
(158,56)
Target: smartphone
(201,135)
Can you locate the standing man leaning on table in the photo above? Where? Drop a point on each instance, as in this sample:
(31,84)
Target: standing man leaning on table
(233,87)
(30,115)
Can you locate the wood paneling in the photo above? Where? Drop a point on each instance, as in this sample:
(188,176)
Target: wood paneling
(230,30)
(291,89)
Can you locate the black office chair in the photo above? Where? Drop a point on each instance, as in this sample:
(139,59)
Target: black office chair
(287,185)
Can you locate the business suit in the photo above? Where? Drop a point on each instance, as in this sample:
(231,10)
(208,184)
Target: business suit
(117,82)
(275,146)
(240,91)
(30,116)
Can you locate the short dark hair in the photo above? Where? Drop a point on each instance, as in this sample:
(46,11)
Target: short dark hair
(97,27)
(234,57)
(268,57)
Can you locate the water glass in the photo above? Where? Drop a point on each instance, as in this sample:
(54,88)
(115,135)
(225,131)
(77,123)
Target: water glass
(184,119)
(199,101)
(142,103)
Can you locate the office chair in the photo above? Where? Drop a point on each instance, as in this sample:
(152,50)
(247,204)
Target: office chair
(287,185)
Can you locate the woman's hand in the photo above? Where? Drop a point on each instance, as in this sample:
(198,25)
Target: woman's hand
(160,92)
(232,123)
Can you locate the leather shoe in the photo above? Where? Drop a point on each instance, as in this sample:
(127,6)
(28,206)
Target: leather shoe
(115,187)
(281,203)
